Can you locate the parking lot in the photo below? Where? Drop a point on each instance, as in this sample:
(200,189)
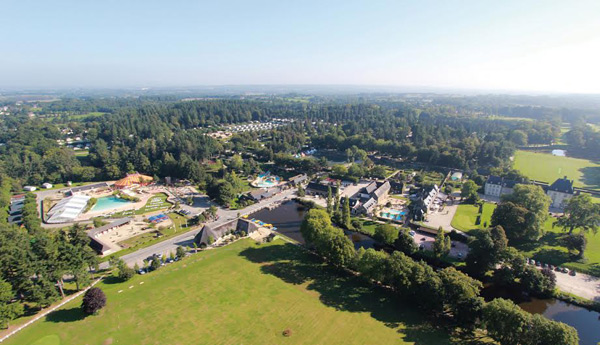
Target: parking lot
(459,250)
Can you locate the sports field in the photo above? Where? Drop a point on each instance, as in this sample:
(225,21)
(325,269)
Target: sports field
(240,294)
(547,168)
(466,217)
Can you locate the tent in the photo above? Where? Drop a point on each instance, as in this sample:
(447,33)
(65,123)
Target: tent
(133,180)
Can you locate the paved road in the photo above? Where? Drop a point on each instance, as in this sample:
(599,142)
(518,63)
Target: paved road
(171,244)
(581,285)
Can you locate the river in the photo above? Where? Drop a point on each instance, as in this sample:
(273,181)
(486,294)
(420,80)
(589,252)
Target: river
(288,217)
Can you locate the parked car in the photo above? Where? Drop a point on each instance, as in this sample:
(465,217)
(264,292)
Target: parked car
(412,233)
(558,269)
(565,270)
(532,262)
(573,273)
(538,264)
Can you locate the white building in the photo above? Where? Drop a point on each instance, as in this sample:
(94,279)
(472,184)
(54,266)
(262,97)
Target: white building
(498,186)
(560,192)
(47,185)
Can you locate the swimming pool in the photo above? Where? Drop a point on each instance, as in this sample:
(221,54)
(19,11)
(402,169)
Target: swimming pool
(266,180)
(392,214)
(108,202)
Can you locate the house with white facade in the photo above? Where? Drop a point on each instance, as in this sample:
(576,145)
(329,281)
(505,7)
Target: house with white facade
(560,192)
(498,186)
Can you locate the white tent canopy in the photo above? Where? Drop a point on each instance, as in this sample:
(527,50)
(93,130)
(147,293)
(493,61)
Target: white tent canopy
(67,210)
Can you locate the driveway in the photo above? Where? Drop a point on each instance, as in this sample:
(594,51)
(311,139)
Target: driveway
(442,218)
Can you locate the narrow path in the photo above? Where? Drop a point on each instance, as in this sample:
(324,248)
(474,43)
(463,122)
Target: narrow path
(48,311)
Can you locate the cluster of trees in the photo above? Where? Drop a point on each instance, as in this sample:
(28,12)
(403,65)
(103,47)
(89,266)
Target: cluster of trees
(355,171)
(468,192)
(522,213)
(446,293)
(583,214)
(489,251)
(508,324)
(167,138)
(6,185)
(33,262)
(224,191)
(583,140)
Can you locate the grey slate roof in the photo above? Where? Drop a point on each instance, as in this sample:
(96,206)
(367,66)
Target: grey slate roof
(382,189)
(501,181)
(321,187)
(562,185)
(298,178)
(88,187)
(115,224)
(371,187)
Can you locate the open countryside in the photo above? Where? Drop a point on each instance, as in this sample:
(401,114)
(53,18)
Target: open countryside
(201,172)
(242,294)
(547,168)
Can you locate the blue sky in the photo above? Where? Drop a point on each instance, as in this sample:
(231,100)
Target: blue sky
(500,45)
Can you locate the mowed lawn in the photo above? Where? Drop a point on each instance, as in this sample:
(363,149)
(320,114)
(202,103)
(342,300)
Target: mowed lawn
(466,217)
(547,168)
(240,294)
(550,250)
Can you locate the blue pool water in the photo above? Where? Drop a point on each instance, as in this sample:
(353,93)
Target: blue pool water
(108,202)
(393,214)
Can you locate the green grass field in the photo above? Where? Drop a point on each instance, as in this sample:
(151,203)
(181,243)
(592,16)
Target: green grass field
(466,216)
(549,250)
(240,294)
(546,167)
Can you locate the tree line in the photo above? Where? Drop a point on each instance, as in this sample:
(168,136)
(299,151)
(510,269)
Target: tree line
(447,294)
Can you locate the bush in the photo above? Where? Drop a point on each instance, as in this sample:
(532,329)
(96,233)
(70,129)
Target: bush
(356,224)
(93,300)
(287,332)
(155,264)
(180,252)
(126,272)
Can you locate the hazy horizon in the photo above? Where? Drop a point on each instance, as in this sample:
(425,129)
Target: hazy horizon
(511,47)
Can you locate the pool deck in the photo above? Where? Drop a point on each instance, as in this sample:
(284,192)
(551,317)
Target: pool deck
(144,197)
